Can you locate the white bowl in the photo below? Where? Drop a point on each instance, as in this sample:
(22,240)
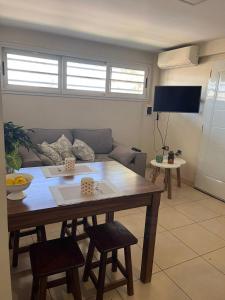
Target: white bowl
(16,191)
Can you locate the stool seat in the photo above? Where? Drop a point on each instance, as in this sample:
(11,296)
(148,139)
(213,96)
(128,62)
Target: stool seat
(55,256)
(111,236)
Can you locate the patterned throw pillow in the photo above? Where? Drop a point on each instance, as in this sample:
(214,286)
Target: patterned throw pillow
(82,151)
(48,151)
(63,146)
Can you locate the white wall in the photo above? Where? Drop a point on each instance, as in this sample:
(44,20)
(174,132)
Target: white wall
(185,130)
(126,118)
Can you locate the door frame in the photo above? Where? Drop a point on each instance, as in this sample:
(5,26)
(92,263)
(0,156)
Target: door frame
(210,102)
(5,279)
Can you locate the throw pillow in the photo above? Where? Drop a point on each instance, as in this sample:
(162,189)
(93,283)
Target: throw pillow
(63,146)
(82,151)
(44,159)
(123,154)
(52,154)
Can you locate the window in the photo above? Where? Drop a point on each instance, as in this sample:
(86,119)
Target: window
(32,72)
(85,76)
(128,81)
(28,70)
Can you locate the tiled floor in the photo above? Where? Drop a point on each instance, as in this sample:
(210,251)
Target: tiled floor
(189,255)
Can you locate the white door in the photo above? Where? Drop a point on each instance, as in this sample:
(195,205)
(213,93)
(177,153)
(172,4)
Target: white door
(211,168)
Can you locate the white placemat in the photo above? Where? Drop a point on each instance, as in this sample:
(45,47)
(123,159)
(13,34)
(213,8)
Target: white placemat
(56,171)
(71,193)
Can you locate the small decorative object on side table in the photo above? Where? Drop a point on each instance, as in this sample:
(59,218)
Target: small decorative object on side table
(178,162)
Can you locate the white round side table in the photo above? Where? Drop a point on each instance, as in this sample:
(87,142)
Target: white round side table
(178,162)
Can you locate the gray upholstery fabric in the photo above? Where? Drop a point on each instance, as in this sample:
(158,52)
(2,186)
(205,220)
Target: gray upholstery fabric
(99,137)
(29,158)
(40,135)
(102,157)
(100,140)
(123,154)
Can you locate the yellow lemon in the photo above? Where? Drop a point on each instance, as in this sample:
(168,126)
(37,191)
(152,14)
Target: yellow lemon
(20,180)
(10,181)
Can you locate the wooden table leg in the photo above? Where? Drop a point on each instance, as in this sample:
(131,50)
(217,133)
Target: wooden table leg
(178,178)
(109,217)
(149,238)
(156,171)
(169,187)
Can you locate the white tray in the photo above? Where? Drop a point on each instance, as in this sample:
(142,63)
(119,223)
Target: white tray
(71,193)
(57,171)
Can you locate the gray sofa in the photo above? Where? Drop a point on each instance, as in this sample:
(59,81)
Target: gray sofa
(100,140)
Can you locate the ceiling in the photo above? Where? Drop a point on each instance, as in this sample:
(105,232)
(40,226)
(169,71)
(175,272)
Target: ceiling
(144,24)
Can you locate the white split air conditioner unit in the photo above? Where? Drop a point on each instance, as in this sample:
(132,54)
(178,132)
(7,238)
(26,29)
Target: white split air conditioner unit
(178,58)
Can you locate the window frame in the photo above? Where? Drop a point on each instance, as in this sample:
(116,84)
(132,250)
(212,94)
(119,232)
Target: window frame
(138,67)
(62,91)
(25,88)
(67,91)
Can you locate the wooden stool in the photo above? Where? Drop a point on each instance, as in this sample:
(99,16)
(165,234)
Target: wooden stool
(106,238)
(14,241)
(70,227)
(53,257)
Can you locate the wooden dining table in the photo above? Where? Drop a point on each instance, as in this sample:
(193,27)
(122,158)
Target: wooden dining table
(40,208)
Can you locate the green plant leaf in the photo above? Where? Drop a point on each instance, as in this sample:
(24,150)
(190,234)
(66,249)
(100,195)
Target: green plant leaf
(14,160)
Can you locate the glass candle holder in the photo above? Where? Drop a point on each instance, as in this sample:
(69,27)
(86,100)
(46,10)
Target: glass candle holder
(87,186)
(70,163)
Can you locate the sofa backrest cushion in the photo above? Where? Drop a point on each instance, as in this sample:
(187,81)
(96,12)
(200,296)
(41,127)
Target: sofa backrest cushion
(100,140)
(40,135)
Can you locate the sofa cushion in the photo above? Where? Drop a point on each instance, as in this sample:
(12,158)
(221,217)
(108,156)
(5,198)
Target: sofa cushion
(52,154)
(100,140)
(82,151)
(29,158)
(102,157)
(40,135)
(123,154)
(63,146)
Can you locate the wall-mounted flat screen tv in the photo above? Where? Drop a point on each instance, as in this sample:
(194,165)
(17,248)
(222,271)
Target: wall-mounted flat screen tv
(183,99)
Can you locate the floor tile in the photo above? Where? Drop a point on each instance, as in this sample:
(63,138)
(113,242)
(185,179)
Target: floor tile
(169,218)
(198,238)
(21,287)
(136,253)
(196,211)
(135,225)
(23,263)
(217,259)
(199,280)
(213,204)
(160,288)
(216,225)
(170,251)
(126,212)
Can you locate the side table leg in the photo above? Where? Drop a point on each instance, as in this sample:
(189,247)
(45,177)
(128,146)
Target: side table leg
(178,178)
(165,180)
(169,183)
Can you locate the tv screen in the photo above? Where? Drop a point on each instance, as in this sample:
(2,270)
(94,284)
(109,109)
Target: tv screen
(183,99)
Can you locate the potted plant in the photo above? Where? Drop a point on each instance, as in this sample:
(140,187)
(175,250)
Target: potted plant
(15,136)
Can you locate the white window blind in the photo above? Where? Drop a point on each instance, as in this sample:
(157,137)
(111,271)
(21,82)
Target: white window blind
(127,81)
(85,76)
(32,71)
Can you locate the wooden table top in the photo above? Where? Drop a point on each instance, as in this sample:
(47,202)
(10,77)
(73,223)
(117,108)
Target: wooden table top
(39,196)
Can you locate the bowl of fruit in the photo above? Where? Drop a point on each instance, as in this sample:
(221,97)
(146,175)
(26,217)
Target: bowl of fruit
(16,183)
